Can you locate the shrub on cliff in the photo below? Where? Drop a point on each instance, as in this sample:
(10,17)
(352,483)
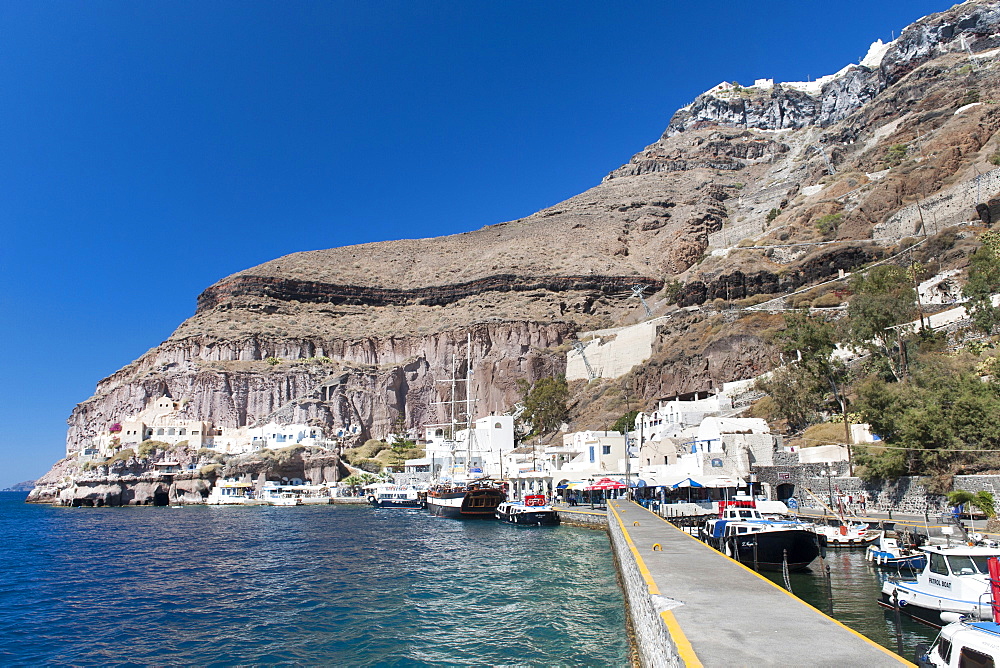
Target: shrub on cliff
(148,447)
(209,471)
(122,456)
(370,465)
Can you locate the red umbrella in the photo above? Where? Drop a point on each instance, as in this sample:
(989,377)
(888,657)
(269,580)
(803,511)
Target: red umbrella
(606,483)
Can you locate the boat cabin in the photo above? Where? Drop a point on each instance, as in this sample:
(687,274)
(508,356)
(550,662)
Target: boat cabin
(973,644)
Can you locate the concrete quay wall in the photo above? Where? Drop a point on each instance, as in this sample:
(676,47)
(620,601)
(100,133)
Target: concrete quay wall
(653,644)
(593,519)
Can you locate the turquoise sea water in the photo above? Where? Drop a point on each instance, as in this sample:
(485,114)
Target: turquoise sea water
(331,585)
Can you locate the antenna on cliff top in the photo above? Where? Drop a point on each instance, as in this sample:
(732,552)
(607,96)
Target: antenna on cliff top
(579,348)
(637,291)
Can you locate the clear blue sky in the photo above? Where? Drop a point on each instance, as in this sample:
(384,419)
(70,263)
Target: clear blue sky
(148,149)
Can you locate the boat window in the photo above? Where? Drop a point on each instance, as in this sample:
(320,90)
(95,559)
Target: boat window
(944,650)
(742,530)
(970,658)
(982,563)
(962,565)
(938,564)
(746,513)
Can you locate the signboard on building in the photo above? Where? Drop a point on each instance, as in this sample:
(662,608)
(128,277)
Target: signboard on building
(784,475)
(717,463)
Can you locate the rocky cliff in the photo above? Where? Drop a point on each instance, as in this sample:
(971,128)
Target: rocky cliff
(751,193)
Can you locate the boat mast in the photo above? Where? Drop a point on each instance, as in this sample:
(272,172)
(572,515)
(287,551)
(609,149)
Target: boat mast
(468,403)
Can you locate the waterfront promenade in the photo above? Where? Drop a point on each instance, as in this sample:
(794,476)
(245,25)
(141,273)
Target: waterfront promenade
(716,611)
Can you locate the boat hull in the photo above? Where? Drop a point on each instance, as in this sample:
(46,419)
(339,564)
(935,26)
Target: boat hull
(530,518)
(471,504)
(396,503)
(770,550)
(927,616)
(889,560)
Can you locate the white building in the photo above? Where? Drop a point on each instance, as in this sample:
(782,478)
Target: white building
(471,453)
(271,436)
(159,421)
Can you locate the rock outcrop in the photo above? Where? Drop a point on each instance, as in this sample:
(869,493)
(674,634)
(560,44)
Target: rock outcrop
(968,27)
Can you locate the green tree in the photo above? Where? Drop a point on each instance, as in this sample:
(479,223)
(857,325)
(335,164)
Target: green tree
(931,421)
(883,298)
(804,387)
(795,393)
(984,281)
(545,403)
(625,423)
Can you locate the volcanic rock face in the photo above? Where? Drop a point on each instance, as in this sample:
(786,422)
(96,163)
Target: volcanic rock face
(968,27)
(749,192)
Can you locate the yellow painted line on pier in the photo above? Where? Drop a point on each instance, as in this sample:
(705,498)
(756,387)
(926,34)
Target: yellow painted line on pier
(784,591)
(684,648)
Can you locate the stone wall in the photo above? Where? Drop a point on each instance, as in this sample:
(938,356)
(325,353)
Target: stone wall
(953,206)
(579,518)
(904,495)
(652,641)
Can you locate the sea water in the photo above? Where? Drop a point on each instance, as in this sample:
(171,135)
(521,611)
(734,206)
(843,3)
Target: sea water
(331,585)
(849,595)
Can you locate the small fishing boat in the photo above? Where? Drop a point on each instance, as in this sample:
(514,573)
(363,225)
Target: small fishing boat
(532,512)
(886,552)
(954,582)
(849,534)
(744,534)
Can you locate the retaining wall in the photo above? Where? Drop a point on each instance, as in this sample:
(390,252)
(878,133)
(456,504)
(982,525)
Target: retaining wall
(903,495)
(582,518)
(652,641)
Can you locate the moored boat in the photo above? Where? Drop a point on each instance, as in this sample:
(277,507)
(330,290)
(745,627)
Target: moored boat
(963,643)
(968,643)
(744,534)
(475,499)
(281,494)
(394,496)
(849,534)
(231,493)
(954,582)
(887,552)
(533,511)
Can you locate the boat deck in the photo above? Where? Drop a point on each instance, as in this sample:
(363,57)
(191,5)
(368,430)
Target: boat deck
(721,613)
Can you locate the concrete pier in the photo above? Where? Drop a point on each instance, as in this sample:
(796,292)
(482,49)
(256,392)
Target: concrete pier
(690,605)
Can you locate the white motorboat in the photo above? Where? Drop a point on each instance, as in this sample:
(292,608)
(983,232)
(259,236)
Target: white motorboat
(394,496)
(962,643)
(283,494)
(849,534)
(954,582)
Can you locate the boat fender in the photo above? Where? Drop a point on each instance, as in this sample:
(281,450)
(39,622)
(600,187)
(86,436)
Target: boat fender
(948,617)
(657,547)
